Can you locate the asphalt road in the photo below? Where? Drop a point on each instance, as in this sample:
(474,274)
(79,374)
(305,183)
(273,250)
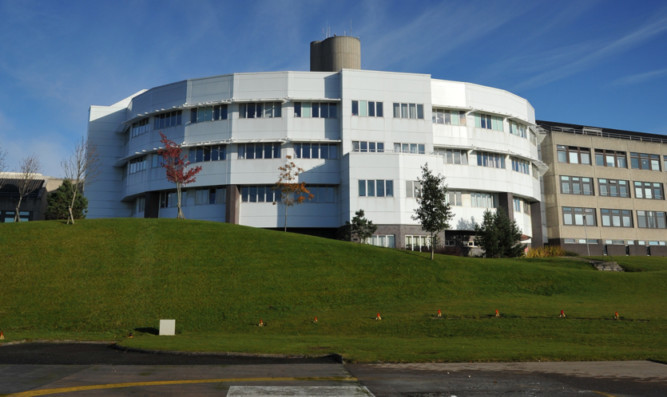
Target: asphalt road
(101,370)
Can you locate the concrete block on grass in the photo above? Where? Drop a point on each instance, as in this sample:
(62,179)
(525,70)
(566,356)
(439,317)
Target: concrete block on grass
(167,327)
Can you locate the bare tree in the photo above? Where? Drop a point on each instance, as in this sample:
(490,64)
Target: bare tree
(80,166)
(27,172)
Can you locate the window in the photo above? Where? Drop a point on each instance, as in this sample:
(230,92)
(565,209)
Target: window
(518,129)
(613,187)
(610,158)
(139,205)
(137,165)
(169,200)
(616,218)
(664,162)
(521,166)
(207,153)
(208,113)
(316,150)
(412,189)
(449,117)
(367,147)
(483,200)
(408,111)
(644,161)
(254,110)
(454,198)
(260,194)
(416,148)
(492,160)
(488,122)
(576,185)
(140,127)
(388,240)
(210,196)
(579,216)
(649,190)
(323,110)
(453,156)
(376,188)
(259,151)
(367,109)
(526,208)
(417,243)
(322,194)
(651,219)
(573,155)
(580,241)
(166,120)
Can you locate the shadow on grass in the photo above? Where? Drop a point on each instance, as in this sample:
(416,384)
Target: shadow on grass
(147,330)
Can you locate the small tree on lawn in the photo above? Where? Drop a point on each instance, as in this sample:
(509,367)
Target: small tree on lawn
(291,190)
(434,211)
(360,228)
(499,236)
(59,203)
(176,167)
(80,166)
(487,235)
(28,171)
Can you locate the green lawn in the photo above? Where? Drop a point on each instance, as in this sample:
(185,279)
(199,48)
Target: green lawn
(102,279)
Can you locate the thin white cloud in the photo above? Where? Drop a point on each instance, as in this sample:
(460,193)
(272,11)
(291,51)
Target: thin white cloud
(640,78)
(622,44)
(439,30)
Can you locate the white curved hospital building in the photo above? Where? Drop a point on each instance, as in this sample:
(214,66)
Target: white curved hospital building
(360,135)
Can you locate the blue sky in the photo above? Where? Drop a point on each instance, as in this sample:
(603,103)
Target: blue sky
(601,63)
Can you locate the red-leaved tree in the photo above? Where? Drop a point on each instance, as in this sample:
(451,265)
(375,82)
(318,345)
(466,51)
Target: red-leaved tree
(176,166)
(291,190)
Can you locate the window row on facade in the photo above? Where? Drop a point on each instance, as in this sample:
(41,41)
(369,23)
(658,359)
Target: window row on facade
(611,187)
(610,217)
(327,110)
(609,158)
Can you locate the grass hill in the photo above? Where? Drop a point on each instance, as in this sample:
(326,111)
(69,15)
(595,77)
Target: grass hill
(102,279)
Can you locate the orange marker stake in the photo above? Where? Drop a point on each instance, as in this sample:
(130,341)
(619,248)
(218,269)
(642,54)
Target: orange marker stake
(378,317)
(439,313)
(315,320)
(562,314)
(261,323)
(497,314)
(615,315)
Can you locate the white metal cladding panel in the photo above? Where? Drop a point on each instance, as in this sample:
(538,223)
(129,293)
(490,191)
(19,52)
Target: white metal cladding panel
(259,128)
(165,98)
(210,89)
(486,179)
(386,166)
(486,140)
(207,131)
(302,215)
(256,86)
(497,100)
(465,218)
(314,85)
(313,129)
(448,94)
(104,191)
(254,172)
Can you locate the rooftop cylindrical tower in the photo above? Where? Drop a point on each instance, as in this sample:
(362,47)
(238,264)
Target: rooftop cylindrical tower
(335,53)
